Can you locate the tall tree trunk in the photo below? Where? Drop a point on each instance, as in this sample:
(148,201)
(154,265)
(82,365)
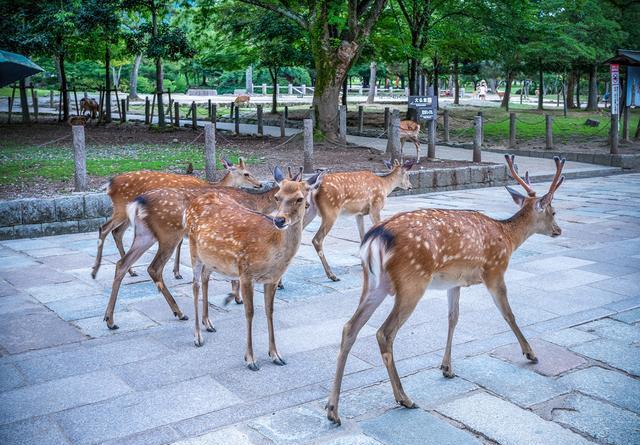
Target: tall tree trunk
(578,89)
(435,78)
(133,79)
(507,91)
(107,84)
(413,78)
(373,71)
(592,102)
(456,83)
(63,88)
(274,95)
(344,91)
(24,104)
(541,89)
(571,84)
(159,88)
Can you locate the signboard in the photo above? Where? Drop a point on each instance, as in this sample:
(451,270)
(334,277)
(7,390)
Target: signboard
(615,88)
(425,106)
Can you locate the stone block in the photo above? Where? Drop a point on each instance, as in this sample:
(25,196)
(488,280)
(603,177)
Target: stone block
(443,177)
(293,426)
(613,353)
(430,387)
(41,431)
(38,211)
(10,377)
(461,176)
(28,231)
(427,179)
(553,360)
(602,159)
(97,205)
(127,321)
(231,435)
(414,178)
(613,330)
(479,174)
(69,208)
(60,228)
(10,213)
(569,337)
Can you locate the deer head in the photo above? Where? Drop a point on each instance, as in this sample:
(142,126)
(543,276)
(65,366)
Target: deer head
(400,173)
(540,209)
(240,176)
(292,197)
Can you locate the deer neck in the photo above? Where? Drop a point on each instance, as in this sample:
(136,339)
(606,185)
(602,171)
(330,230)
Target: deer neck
(392,180)
(227,181)
(291,238)
(519,227)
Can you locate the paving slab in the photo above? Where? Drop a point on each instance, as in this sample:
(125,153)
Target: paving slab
(613,330)
(630,317)
(506,423)
(349,439)
(155,436)
(225,436)
(569,337)
(613,353)
(293,426)
(10,377)
(40,431)
(553,360)
(125,320)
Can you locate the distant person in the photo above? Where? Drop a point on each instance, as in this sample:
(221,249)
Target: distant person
(482,90)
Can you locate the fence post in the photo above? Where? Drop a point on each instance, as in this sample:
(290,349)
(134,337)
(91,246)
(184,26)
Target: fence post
(123,105)
(614,133)
(209,108)
(313,115)
(210,151)
(231,107)
(194,116)
(512,130)
(50,98)
(304,89)
(259,117)
(548,119)
(10,105)
(290,89)
(360,119)
(477,139)
(79,158)
(308,146)
(431,147)
(625,122)
(342,111)
(34,97)
(264,89)
(237,119)
(214,113)
(481,114)
(386,119)
(176,114)
(446,125)
(127,108)
(286,112)
(147,107)
(282,126)
(393,141)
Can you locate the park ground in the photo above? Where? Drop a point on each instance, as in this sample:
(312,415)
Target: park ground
(66,379)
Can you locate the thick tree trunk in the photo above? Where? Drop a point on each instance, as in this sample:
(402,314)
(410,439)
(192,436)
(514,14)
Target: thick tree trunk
(578,89)
(107,84)
(344,91)
(413,77)
(133,79)
(507,91)
(541,90)
(571,85)
(159,88)
(63,88)
(274,95)
(24,104)
(373,69)
(592,102)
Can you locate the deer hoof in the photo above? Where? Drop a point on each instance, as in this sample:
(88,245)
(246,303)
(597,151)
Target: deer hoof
(208,326)
(253,366)
(531,357)
(177,276)
(113,327)
(332,415)
(237,299)
(447,371)
(133,273)
(198,340)
(280,285)
(276,359)
(94,272)
(408,404)
(332,277)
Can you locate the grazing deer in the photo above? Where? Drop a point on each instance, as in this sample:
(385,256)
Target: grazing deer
(355,193)
(89,105)
(124,188)
(242,99)
(236,242)
(442,249)
(157,216)
(410,131)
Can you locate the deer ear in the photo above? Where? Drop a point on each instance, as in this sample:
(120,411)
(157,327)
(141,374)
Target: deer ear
(517,197)
(408,164)
(241,163)
(544,202)
(315,181)
(388,164)
(396,163)
(277,175)
(226,163)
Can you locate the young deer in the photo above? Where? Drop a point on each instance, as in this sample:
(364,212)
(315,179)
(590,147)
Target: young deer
(157,216)
(410,131)
(124,188)
(355,193)
(239,243)
(442,249)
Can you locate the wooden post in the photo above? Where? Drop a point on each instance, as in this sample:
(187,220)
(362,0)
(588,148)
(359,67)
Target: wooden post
(342,111)
(153,105)
(259,116)
(393,141)
(482,127)
(209,108)
(10,105)
(118,104)
(214,113)
(548,119)
(614,133)
(360,119)
(264,89)
(194,116)
(127,107)
(286,112)
(176,114)
(446,125)
(147,109)
(282,126)
(237,119)
(50,98)
(124,110)
(289,89)
(477,139)
(231,107)
(625,122)
(386,119)
(308,146)
(431,147)
(75,96)
(79,158)
(34,97)
(512,130)
(210,151)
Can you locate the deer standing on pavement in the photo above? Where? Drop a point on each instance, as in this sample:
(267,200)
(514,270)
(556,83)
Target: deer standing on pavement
(410,131)
(355,193)
(441,249)
(236,242)
(124,188)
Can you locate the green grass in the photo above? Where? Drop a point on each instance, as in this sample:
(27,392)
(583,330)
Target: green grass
(28,164)
(6,92)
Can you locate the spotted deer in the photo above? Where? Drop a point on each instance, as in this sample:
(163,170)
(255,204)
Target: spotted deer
(242,99)
(354,193)
(242,244)
(89,105)
(441,249)
(410,131)
(122,189)
(157,216)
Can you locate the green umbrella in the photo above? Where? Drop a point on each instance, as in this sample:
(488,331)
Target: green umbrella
(15,67)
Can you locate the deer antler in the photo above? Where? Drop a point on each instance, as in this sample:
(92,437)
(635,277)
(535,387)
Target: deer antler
(516,176)
(558,178)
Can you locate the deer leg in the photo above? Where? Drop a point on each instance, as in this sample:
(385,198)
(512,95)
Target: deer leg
(118,235)
(205,301)
(269,296)
(234,294)
(318,239)
(105,230)
(198,269)
(401,150)
(360,221)
(142,241)
(369,302)
(498,291)
(453,296)
(417,144)
(155,272)
(176,264)
(246,284)
(374,214)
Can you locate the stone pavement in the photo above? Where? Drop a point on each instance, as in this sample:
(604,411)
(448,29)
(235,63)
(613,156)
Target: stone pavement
(66,379)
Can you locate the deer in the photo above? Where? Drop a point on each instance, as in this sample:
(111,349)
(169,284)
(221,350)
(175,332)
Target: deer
(90,105)
(242,244)
(157,216)
(412,251)
(242,99)
(354,193)
(122,189)
(410,131)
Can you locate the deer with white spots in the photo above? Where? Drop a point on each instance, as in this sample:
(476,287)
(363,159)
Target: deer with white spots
(353,193)
(441,249)
(157,216)
(241,244)
(410,131)
(124,188)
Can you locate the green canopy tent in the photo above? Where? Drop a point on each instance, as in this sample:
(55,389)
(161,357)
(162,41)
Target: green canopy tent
(15,67)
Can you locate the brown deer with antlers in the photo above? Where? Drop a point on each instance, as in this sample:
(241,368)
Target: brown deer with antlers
(124,188)
(410,131)
(354,193)
(442,249)
(241,244)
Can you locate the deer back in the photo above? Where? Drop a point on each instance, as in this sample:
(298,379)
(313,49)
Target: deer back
(352,192)
(125,187)
(409,129)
